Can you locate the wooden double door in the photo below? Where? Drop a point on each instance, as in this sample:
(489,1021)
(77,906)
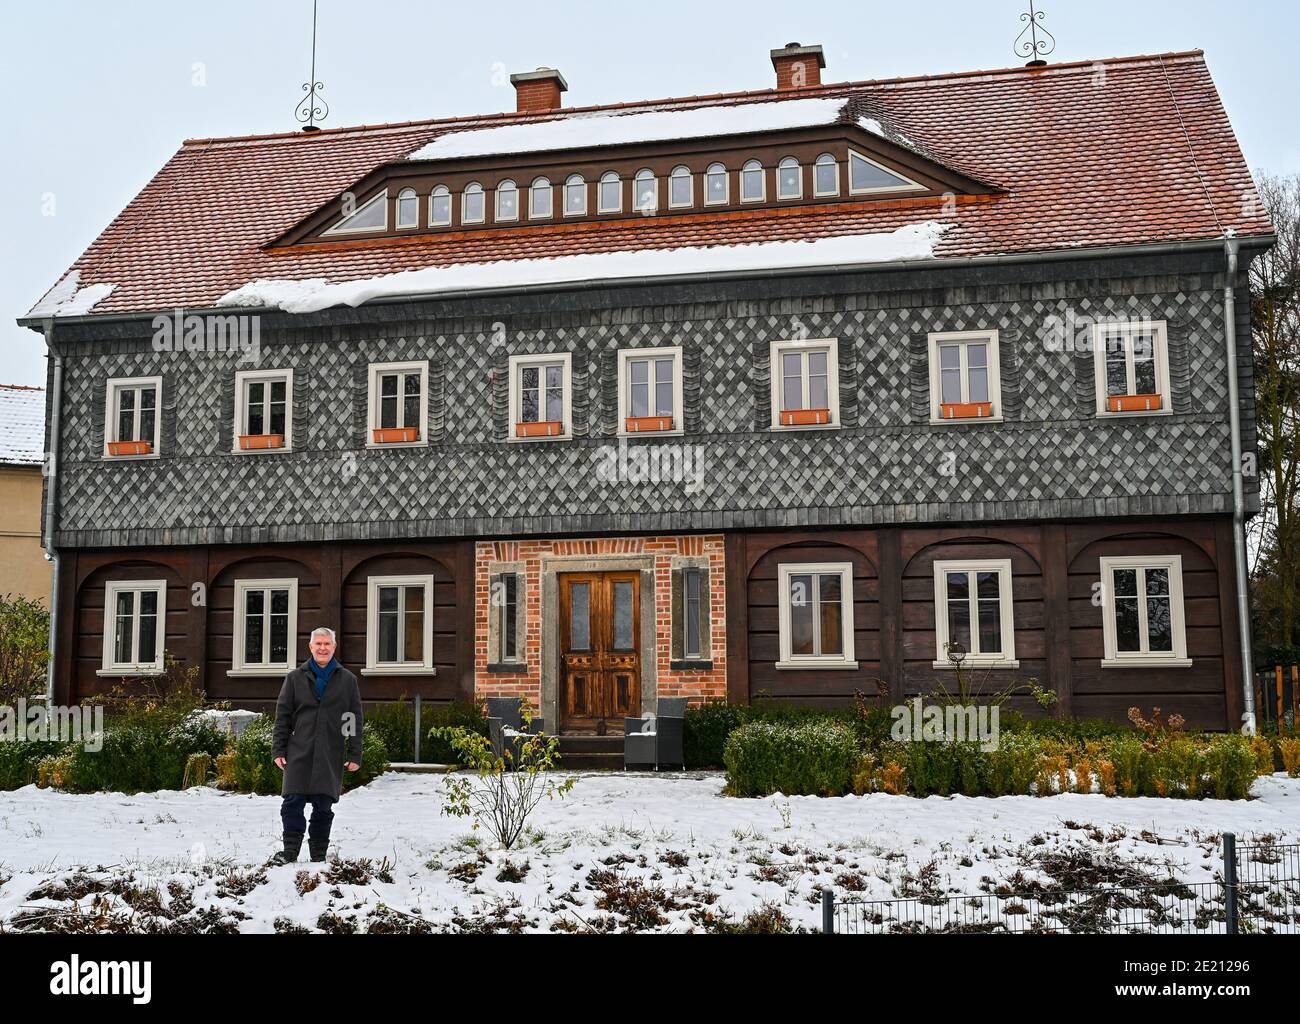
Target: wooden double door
(600,651)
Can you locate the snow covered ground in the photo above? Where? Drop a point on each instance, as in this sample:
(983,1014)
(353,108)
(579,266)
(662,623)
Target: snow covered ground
(620,851)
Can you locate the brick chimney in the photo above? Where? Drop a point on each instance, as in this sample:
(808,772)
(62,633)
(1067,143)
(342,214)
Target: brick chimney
(538,90)
(798,66)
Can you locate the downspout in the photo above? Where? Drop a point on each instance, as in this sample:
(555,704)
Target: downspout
(1231,248)
(51,502)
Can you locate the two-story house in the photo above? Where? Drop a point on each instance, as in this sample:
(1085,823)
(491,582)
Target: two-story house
(802,392)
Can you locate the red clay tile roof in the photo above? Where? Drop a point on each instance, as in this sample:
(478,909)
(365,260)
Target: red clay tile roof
(1120,152)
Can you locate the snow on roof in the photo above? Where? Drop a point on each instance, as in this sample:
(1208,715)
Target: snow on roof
(68,299)
(22,425)
(579,131)
(911,242)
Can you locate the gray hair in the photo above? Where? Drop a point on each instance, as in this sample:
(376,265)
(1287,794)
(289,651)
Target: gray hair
(325,630)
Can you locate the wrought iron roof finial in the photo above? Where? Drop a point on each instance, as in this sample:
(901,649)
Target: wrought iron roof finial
(1033,47)
(313,107)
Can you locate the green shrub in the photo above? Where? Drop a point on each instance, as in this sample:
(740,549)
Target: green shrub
(1063,729)
(24,648)
(1013,766)
(374,761)
(941,769)
(252,770)
(394,723)
(812,758)
(140,758)
(1231,766)
(706,730)
(470,715)
(1177,767)
(18,761)
(1132,764)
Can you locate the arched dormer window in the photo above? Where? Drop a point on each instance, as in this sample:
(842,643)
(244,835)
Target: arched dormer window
(408,209)
(826,176)
(575,196)
(681,188)
(610,195)
(645,191)
(440,207)
(789,179)
(539,199)
(471,204)
(753,189)
(716,188)
(507,201)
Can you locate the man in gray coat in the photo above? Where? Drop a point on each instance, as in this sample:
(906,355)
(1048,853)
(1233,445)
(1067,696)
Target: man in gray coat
(317,714)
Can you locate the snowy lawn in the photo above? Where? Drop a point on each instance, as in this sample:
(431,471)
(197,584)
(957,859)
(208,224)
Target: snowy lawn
(643,852)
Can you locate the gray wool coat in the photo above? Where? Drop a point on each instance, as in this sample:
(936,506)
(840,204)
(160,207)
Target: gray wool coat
(309,734)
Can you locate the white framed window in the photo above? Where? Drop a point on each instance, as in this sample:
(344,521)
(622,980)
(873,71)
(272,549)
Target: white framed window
(263,410)
(133,417)
(399,404)
(681,188)
(440,207)
(266,625)
(973,608)
(789,179)
(540,403)
(372,215)
(826,176)
(408,209)
(1143,622)
(472,204)
(540,202)
(965,378)
(753,182)
(650,390)
(816,616)
(645,191)
(717,187)
(135,621)
(609,197)
(399,625)
(507,201)
(867,176)
(1132,368)
(575,196)
(805,384)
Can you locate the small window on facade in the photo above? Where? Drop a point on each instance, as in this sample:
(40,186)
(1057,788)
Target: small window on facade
(1132,368)
(805,384)
(372,215)
(1142,605)
(645,192)
(575,196)
(440,207)
(868,176)
(611,193)
(539,199)
(135,617)
(965,383)
(539,396)
(650,387)
(716,189)
(753,188)
(505,627)
(472,209)
(816,616)
(398,403)
(789,179)
(263,410)
(690,623)
(408,209)
(826,176)
(973,614)
(681,188)
(133,420)
(507,201)
(399,625)
(696,613)
(266,624)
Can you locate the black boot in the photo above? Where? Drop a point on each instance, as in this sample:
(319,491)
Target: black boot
(292,847)
(318,848)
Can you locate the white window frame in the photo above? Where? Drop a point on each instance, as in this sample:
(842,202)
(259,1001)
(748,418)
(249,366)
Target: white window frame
(835,165)
(376,371)
(549,189)
(242,379)
(1006,603)
(832,347)
(628,355)
(1177,616)
(464,203)
(117,384)
(762,178)
(338,229)
(436,194)
(782,165)
(569,183)
(516,365)
(834,662)
(645,174)
(600,192)
(689,178)
(109,667)
(374,667)
(414,222)
(239,667)
(726,185)
(1160,329)
(908,184)
(963,338)
(496,201)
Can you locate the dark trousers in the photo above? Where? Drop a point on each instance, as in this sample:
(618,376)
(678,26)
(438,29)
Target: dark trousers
(291,814)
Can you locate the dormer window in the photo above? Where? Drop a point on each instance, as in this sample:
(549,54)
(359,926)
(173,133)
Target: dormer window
(472,204)
(539,199)
(752,187)
(507,201)
(440,207)
(408,209)
(681,188)
(789,179)
(610,196)
(826,176)
(716,192)
(370,216)
(575,196)
(646,191)
(868,176)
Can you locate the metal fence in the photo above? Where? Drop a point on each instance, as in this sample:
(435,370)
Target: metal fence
(1277,695)
(1257,892)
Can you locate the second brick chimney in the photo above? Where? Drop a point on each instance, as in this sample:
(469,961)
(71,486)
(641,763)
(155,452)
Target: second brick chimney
(798,66)
(538,90)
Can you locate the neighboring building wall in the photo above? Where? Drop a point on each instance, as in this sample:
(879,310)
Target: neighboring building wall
(23,568)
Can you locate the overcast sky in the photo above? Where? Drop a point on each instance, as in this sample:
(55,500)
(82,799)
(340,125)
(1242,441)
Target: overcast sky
(101,94)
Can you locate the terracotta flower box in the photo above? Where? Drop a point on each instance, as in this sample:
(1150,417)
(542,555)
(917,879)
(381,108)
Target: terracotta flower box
(546,428)
(118,448)
(396,435)
(1134,403)
(805,417)
(259,442)
(966,410)
(638,424)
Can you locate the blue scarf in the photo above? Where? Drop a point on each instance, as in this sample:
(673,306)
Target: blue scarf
(322,674)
